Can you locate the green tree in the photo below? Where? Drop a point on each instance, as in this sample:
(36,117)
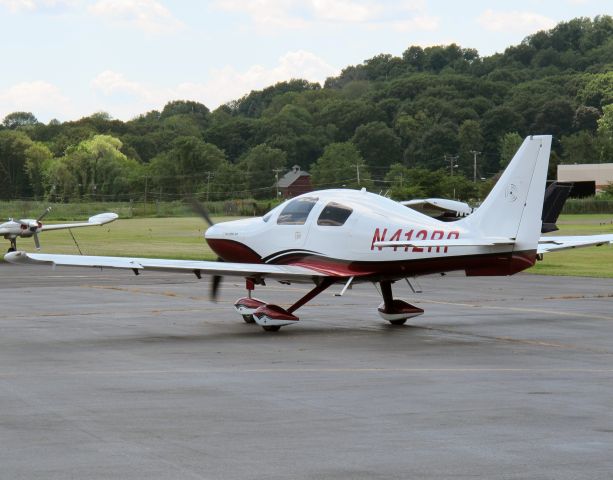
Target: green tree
(401,182)
(95,168)
(605,134)
(13,177)
(19,119)
(470,139)
(259,165)
(227,182)
(186,167)
(38,156)
(339,166)
(598,90)
(580,147)
(509,143)
(378,144)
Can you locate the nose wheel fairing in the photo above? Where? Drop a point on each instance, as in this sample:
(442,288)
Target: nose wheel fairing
(273,316)
(399,310)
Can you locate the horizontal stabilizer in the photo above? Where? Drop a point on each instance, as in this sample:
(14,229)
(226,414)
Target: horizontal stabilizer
(487,242)
(555,243)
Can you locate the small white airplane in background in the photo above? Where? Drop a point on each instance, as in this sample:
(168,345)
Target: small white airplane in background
(28,227)
(439,206)
(349,236)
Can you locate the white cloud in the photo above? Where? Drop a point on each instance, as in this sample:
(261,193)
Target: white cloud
(228,84)
(112,83)
(417,23)
(348,11)
(147,15)
(265,13)
(292,14)
(41,98)
(38,5)
(514,21)
(124,98)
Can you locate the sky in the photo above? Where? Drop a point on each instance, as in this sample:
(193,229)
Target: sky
(66,59)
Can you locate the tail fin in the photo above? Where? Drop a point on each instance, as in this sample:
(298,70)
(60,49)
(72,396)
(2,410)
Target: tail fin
(514,206)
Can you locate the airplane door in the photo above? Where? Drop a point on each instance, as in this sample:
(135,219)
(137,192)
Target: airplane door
(292,227)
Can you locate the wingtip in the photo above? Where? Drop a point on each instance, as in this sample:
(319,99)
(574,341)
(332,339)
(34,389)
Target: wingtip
(16,257)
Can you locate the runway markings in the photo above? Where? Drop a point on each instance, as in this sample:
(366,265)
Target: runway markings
(307,370)
(523,309)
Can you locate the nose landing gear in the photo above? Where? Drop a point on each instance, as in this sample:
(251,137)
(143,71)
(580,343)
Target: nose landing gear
(272,317)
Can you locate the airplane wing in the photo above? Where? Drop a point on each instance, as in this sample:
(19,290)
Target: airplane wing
(439,204)
(256,270)
(99,219)
(555,243)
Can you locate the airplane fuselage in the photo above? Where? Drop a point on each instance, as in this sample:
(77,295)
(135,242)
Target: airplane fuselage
(12,229)
(333,246)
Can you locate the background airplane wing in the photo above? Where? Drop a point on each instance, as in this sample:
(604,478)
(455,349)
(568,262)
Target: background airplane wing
(554,243)
(99,219)
(438,204)
(256,270)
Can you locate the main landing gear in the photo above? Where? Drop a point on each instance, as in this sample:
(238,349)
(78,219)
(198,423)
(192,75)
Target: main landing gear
(272,317)
(13,247)
(394,310)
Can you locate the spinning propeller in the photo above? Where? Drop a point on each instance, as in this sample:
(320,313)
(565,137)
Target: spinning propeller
(203,212)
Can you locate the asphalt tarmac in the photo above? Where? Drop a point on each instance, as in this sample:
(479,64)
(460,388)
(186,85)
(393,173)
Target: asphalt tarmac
(104,375)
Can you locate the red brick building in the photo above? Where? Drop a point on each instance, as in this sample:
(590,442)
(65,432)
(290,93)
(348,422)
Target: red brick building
(295,182)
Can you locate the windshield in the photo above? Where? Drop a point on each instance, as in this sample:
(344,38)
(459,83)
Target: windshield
(297,211)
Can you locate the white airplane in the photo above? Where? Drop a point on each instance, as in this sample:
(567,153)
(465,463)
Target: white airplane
(439,206)
(344,236)
(28,227)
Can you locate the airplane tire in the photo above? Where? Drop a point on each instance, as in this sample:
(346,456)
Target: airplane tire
(271,328)
(248,319)
(401,321)
(11,250)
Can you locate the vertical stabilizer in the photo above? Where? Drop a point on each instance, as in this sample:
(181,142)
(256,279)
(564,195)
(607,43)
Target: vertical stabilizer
(514,206)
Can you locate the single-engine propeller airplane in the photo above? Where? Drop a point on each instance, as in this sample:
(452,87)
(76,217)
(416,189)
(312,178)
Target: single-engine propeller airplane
(28,227)
(344,236)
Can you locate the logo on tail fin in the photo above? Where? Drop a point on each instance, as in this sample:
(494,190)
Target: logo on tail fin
(511,192)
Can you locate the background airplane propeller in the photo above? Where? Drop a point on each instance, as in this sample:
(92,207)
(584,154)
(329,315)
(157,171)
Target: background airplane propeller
(200,209)
(34,225)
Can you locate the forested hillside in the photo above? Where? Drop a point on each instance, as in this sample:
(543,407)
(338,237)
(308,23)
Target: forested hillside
(405,123)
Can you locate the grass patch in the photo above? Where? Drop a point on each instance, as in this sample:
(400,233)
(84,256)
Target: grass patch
(582,262)
(179,238)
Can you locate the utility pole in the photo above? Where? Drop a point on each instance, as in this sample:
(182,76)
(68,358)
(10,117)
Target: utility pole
(146,188)
(277,170)
(475,153)
(357,167)
(452,162)
(208,185)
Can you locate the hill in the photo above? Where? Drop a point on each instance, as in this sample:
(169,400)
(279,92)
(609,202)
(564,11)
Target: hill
(403,121)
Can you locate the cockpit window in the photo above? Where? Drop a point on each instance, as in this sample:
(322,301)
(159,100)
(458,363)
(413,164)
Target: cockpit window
(297,211)
(334,215)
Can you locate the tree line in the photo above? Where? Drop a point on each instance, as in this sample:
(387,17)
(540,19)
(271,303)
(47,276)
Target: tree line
(411,126)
